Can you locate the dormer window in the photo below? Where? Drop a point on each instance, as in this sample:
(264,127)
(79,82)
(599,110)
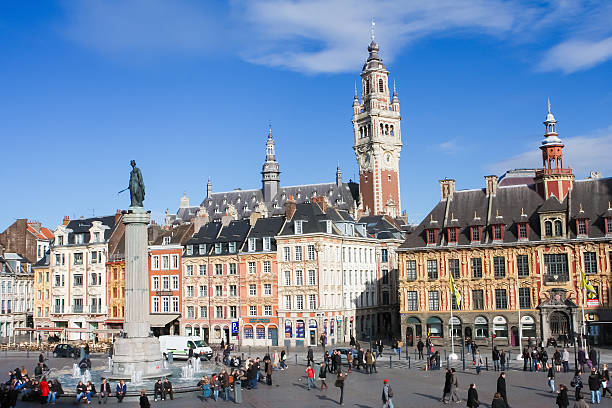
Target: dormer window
(96,237)
(432,236)
(189,249)
(232,247)
(523,231)
(328,226)
(609,226)
(201,249)
(298,225)
(79,238)
(498,232)
(582,227)
(267,243)
(475,233)
(217,247)
(553,228)
(452,235)
(252,242)
(166,240)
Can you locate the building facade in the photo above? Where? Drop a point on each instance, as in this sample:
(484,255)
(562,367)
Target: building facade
(17,295)
(27,238)
(513,250)
(42,292)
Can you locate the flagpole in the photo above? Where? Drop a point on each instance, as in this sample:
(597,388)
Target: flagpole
(452,355)
(519,355)
(583,342)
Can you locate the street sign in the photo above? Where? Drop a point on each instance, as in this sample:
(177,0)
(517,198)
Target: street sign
(235,328)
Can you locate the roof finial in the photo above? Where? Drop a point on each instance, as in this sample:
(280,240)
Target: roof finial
(373,24)
(394,86)
(355,89)
(548,105)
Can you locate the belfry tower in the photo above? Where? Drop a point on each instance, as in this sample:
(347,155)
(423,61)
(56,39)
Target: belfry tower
(378,138)
(270,180)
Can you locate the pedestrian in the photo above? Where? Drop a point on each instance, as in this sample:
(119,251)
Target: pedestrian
(580,402)
(534,359)
(368,361)
(495,357)
(577,383)
(54,391)
(478,362)
(340,384)
(551,377)
(420,346)
(158,390)
(595,386)
(349,361)
(309,356)
(310,374)
(565,360)
(543,358)
(593,357)
(498,401)
(144,401)
(43,388)
(501,386)
(105,391)
(605,381)
(581,359)
(359,358)
(437,359)
(387,395)
(87,351)
(352,342)
(472,398)
(374,356)
(168,388)
(448,377)
(120,391)
(526,355)
(338,361)
(562,398)
(557,360)
(283,359)
(323,376)
(454,386)
(269,370)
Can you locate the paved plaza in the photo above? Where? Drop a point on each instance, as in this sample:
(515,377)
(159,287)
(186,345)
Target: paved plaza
(412,387)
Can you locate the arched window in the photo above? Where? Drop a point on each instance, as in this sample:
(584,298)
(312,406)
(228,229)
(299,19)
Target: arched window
(558,228)
(381,87)
(382,129)
(391,131)
(386,129)
(367,86)
(548,228)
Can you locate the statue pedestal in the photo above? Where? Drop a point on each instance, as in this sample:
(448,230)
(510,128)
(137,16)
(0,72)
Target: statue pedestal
(138,352)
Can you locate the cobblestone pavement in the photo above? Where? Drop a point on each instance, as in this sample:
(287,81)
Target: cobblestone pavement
(412,387)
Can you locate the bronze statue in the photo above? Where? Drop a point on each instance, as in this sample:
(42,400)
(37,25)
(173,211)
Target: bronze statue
(137,188)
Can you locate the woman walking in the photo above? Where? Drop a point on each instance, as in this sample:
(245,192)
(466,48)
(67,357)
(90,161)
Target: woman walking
(562,398)
(577,383)
(605,381)
(551,377)
(323,376)
(340,384)
(472,399)
(498,401)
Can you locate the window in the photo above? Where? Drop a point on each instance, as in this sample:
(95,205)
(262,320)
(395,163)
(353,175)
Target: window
(218,269)
(288,302)
(77,305)
(609,225)
(232,247)
(453,267)
(175,262)
(267,267)
(311,252)
(203,312)
(299,302)
(59,281)
(433,300)
(267,310)
(78,258)
(175,282)
(233,312)
(500,328)
(94,256)
(499,267)
(385,276)
(252,244)
(217,248)
(522,231)
(384,255)
(558,228)
(79,238)
(555,267)
(328,226)
(189,270)
(190,312)
(475,234)
(166,240)
(548,228)
(95,279)
(252,267)
(312,302)
(525,298)
(501,299)
(412,300)
(497,232)
(299,278)
(590,263)
(385,297)
(165,283)
(267,243)
(311,277)
(286,254)
(287,278)
(190,291)
(582,227)
(298,253)
(252,290)
(202,249)
(380,86)
(155,304)
(432,269)
(477,299)
(165,262)
(452,235)
(522,265)
(411,273)
(232,290)
(203,291)
(431,236)
(267,289)
(298,226)
(78,280)
(218,290)
(202,270)
(219,312)
(232,269)
(252,310)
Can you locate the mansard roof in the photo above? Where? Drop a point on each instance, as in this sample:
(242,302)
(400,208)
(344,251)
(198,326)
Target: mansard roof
(314,219)
(179,235)
(382,227)
(265,227)
(514,204)
(82,226)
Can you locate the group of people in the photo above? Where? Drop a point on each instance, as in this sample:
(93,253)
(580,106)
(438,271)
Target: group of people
(36,389)
(536,359)
(451,385)
(598,383)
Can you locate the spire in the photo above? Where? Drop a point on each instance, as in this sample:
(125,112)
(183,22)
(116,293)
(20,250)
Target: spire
(270,171)
(208,188)
(551,137)
(372,29)
(338,175)
(270,155)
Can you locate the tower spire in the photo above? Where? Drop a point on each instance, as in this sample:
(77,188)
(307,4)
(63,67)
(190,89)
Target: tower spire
(372,29)
(270,170)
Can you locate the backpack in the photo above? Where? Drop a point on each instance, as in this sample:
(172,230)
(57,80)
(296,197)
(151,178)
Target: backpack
(390,392)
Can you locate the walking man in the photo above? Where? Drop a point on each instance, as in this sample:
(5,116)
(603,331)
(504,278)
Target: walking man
(565,360)
(454,385)
(495,356)
(420,346)
(501,386)
(387,395)
(447,386)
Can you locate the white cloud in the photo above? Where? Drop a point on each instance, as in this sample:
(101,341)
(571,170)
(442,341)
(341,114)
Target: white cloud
(576,55)
(582,153)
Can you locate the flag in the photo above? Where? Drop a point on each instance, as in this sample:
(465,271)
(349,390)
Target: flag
(455,291)
(586,284)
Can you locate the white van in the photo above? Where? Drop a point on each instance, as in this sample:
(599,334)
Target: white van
(180,345)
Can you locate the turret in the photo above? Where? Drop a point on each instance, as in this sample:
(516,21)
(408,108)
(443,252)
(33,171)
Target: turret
(270,171)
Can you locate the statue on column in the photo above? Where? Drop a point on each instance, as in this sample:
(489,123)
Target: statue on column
(137,188)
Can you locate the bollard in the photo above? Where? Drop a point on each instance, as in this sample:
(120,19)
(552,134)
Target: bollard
(463,359)
(407,353)
(445,354)
(408,358)
(487,363)
(390,360)
(238,392)
(296,359)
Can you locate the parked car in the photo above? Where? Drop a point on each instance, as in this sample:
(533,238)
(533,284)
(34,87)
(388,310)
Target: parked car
(66,350)
(343,353)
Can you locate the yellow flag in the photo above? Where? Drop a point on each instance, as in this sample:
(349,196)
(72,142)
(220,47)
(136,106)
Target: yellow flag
(585,284)
(455,291)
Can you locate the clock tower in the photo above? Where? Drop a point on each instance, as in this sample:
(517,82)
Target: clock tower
(378,138)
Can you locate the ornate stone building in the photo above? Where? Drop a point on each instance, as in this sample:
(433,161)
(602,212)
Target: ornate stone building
(512,248)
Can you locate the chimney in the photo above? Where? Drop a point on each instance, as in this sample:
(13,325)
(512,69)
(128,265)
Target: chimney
(226,219)
(66,220)
(117,216)
(447,189)
(198,221)
(35,225)
(254,217)
(290,208)
(491,182)
(322,203)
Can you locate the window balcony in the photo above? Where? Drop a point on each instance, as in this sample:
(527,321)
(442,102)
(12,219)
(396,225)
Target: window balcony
(77,309)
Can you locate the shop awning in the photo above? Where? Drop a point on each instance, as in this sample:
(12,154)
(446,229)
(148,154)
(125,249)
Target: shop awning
(161,320)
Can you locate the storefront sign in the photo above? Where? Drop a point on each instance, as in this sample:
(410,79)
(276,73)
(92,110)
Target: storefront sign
(299,329)
(454,321)
(592,302)
(259,320)
(339,318)
(499,320)
(312,324)
(527,320)
(288,329)
(480,320)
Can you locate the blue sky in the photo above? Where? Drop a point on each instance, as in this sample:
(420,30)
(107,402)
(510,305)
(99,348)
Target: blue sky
(188,89)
